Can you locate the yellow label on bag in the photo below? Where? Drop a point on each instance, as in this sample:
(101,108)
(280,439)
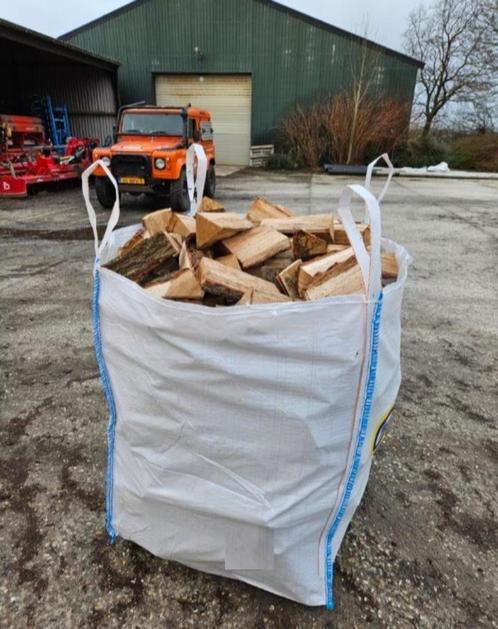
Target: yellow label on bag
(380,429)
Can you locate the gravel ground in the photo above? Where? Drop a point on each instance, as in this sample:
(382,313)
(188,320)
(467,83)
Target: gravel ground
(422,548)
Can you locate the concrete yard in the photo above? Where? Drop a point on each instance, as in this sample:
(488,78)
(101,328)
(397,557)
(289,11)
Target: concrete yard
(422,548)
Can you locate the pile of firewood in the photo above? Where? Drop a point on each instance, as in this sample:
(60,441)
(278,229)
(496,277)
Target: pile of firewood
(222,258)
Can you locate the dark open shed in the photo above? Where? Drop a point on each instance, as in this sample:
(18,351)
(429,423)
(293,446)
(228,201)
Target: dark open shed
(36,65)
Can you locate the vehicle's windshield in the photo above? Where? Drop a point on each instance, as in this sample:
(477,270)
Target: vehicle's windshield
(152,124)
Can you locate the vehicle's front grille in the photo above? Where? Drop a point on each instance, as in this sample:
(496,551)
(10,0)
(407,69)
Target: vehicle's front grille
(130,166)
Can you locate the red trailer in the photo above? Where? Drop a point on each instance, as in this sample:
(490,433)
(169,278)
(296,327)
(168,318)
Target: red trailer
(28,162)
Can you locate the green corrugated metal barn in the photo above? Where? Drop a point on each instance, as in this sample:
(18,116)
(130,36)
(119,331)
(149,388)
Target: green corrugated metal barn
(247,61)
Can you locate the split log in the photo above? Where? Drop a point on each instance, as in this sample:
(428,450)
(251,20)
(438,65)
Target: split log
(288,279)
(271,268)
(183,285)
(336,248)
(157,221)
(319,224)
(254,246)
(176,241)
(137,263)
(162,272)
(339,237)
(389,266)
(190,256)
(261,208)
(182,225)
(215,226)
(349,282)
(219,279)
(306,245)
(310,271)
(210,205)
(246,298)
(229,260)
(255,297)
(265,298)
(137,237)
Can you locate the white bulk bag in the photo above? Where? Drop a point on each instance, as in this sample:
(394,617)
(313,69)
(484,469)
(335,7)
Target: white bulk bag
(241,438)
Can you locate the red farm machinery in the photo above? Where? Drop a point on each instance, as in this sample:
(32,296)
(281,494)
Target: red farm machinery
(29,161)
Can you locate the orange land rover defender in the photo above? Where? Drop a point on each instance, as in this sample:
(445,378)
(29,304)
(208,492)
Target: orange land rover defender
(150,150)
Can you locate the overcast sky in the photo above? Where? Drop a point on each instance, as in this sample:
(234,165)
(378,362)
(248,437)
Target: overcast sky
(386,19)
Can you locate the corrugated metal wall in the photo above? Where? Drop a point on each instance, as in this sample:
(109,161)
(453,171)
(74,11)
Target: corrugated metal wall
(290,58)
(88,92)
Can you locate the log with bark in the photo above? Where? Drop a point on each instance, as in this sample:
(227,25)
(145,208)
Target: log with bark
(142,259)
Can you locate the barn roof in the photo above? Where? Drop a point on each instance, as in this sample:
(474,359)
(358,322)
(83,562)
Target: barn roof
(279,7)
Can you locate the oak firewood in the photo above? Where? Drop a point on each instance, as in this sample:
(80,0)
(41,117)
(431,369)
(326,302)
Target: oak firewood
(229,260)
(157,221)
(210,205)
(215,226)
(183,225)
(272,267)
(137,237)
(143,258)
(176,241)
(281,260)
(261,208)
(336,248)
(288,279)
(190,256)
(246,298)
(162,272)
(253,296)
(183,285)
(348,282)
(340,260)
(389,265)
(219,279)
(256,245)
(265,298)
(339,237)
(319,224)
(306,245)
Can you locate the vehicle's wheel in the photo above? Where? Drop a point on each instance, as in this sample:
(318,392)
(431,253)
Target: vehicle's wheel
(179,193)
(105,192)
(210,185)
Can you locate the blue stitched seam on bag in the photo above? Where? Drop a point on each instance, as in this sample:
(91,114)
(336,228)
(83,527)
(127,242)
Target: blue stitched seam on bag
(365,415)
(106,384)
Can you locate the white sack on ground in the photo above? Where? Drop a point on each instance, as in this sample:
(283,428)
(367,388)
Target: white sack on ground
(241,438)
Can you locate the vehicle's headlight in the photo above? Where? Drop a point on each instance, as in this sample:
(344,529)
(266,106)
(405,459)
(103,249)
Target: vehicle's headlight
(160,163)
(106,160)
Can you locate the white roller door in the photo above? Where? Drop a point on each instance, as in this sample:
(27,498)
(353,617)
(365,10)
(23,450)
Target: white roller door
(227,98)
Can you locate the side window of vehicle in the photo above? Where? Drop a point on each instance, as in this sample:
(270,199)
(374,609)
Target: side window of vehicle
(190,128)
(206,130)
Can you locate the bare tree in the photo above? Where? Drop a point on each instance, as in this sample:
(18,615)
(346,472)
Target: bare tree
(363,63)
(455,40)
